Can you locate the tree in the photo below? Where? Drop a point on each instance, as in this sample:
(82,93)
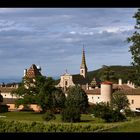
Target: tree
(75,104)
(119,100)
(107,74)
(135,48)
(44,99)
(70,114)
(40,93)
(77,98)
(58,100)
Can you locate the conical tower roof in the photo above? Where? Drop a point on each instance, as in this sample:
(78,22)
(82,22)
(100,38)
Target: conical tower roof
(83,64)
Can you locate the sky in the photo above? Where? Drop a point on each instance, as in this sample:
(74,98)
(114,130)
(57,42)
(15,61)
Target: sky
(54,37)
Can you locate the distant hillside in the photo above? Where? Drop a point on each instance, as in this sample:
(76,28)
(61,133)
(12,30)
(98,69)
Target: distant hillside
(124,72)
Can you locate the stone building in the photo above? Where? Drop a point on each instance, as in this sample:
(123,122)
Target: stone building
(98,91)
(29,79)
(30,74)
(67,80)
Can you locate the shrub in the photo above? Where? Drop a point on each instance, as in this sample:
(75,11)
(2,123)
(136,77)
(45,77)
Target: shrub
(48,116)
(104,111)
(113,116)
(129,113)
(100,109)
(4,108)
(71,115)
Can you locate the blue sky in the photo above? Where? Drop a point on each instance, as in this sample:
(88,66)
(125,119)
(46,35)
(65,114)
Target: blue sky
(54,38)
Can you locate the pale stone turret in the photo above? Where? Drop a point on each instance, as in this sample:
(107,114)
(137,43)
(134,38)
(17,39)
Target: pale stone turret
(106,91)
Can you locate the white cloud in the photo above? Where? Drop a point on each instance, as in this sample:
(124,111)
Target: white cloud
(115,29)
(72,32)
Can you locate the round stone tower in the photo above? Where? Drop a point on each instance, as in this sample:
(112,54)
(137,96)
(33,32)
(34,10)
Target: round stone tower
(106,91)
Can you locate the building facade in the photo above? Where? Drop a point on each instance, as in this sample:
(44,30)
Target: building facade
(98,91)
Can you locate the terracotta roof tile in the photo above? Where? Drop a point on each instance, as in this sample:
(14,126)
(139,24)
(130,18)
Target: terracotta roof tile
(6,89)
(94,91)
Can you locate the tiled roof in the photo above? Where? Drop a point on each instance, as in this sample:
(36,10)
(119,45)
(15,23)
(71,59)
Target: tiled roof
(123,87)
(107,82)
(79,79)
(93,92)
(126,89)
(33,72)
(132,91)
(6,89)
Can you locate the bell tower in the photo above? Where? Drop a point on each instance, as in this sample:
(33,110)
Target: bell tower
(83,67)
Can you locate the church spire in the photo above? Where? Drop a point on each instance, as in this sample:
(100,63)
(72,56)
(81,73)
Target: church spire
(83,64)
(83,67)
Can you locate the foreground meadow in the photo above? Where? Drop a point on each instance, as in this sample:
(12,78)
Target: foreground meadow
(33,122)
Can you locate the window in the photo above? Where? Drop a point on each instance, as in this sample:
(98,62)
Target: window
(66,83)
(92,97)
(132,102)
(98,97)
(82,71)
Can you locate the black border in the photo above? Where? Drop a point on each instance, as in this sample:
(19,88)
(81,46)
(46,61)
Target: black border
(71,136)
(70,3)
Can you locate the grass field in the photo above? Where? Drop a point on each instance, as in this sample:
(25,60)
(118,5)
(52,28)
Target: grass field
(133,125)
(32,116)
(130,126)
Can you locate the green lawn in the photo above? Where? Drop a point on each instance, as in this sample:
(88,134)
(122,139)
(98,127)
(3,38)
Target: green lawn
(23,116)
(32,116)
(129,126)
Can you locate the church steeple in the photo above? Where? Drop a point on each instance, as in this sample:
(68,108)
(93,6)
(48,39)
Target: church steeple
(83,67)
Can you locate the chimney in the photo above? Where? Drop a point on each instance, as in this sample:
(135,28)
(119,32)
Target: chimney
(25,72)
(120,81)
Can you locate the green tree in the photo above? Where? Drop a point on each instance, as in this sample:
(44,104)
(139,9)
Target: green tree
(119,100)
(77,98)
(58,100)
(40,92)
(70,114)
(44,99)
(135,48)
(107,74)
